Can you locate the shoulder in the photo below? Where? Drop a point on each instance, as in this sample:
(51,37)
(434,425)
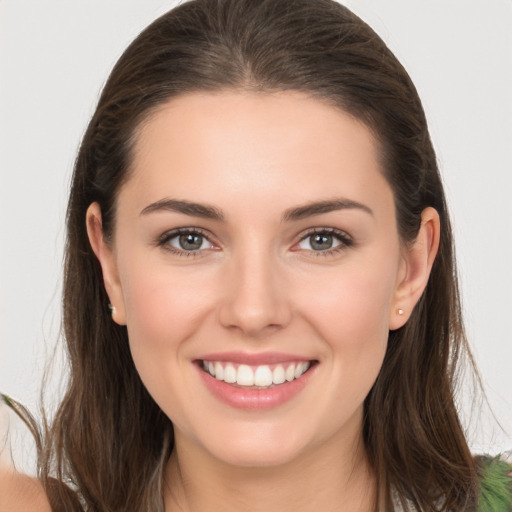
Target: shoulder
(18,492)
(495,482)
(21,493)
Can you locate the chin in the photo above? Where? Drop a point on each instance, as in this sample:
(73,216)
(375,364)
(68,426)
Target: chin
(257,448)
(258,457)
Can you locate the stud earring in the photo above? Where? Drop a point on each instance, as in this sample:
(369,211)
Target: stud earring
(112,310)
(400,311)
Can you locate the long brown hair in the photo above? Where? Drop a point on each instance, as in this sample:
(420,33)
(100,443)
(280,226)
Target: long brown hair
(108,443)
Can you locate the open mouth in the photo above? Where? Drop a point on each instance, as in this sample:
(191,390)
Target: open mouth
(264,376)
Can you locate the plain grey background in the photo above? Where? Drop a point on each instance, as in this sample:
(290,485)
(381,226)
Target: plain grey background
(55,56)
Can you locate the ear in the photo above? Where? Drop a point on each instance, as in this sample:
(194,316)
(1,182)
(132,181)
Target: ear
(107,258)
(417,261)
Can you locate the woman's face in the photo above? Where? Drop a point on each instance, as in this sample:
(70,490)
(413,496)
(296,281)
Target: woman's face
(256,238)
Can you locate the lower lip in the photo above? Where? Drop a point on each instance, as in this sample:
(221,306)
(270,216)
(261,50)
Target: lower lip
(255,399)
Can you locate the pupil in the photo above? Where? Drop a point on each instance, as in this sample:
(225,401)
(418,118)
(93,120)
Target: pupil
(190,241)
(318,240)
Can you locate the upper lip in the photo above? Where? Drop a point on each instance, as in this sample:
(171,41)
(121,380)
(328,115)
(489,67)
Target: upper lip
(253,359)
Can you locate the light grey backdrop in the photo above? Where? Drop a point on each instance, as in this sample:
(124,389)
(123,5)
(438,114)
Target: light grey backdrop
(55,56)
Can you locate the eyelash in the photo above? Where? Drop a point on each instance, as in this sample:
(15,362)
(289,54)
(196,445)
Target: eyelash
(164,239)
(344,238)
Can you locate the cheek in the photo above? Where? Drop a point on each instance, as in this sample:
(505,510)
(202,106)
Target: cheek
(162,311)
(161,301)
(351,316)
(352,307)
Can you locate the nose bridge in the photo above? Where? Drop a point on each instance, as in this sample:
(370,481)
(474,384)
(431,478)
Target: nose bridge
(256,297)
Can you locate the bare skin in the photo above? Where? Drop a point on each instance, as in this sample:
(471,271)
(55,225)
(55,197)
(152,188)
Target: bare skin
(316,481)
(18,492)
(21,493)
(255,284)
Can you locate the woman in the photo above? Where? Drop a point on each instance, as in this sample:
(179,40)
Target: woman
(259,300)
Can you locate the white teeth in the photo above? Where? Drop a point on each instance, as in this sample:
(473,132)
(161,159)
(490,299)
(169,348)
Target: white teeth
(219,371)
(300,369)
(278,376)
(261,376)
(245,376)
(290,373)
(230,374)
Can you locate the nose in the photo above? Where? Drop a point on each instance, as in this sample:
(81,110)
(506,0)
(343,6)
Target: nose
(255,299)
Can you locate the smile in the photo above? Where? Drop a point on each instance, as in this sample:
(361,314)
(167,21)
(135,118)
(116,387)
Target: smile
(255,382)
(261,376)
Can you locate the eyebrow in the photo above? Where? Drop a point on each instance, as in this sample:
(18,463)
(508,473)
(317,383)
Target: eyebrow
(316,208)
(292,214)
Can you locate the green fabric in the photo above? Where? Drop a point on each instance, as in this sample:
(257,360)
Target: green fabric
(495,485)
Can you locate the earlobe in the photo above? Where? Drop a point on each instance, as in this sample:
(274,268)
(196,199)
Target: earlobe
(106,257)
(418,258)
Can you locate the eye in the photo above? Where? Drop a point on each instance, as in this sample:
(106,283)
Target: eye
(325,241)
(185,242)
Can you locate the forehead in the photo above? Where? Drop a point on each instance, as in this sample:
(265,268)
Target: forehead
(253,146)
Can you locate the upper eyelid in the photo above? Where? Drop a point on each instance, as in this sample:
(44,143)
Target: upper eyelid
(171,233)
(331,231)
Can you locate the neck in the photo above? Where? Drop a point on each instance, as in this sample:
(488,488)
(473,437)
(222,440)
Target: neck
(324,479)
